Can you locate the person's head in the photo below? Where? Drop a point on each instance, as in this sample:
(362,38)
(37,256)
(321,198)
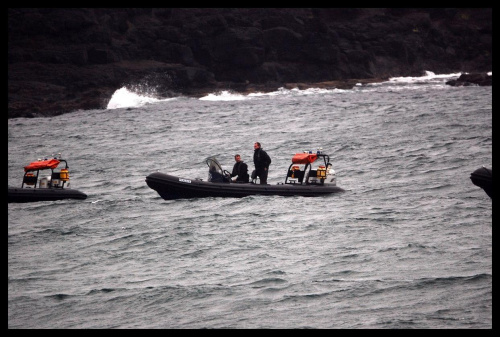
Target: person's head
(237,157)
(256,145)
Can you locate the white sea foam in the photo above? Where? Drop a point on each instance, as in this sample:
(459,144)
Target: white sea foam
(123,98)
(224,96)
(429,76)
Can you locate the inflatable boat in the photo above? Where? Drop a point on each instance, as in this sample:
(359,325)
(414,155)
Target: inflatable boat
(302,179)
(49,188)
(483,178)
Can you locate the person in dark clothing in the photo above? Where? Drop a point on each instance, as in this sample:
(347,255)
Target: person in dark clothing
(240,169)
(261,161)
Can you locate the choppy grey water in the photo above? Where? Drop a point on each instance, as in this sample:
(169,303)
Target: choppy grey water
(408,245)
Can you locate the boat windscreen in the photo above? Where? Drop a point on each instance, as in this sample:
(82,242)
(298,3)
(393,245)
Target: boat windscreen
(213,165)
(215,172)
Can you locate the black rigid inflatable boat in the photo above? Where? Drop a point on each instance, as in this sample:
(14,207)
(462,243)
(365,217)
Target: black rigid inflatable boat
(483,178)
(301,180)
(53,187)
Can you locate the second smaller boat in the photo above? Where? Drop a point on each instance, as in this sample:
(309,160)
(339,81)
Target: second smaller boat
(49,188)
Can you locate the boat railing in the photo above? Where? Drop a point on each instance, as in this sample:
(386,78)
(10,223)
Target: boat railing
(54,180)
(30,179)
(306,175)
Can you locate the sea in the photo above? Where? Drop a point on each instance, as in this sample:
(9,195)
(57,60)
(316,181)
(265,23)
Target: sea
(408,245)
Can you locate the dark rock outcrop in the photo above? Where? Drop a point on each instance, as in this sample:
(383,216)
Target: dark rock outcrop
(64,59)
(472,79)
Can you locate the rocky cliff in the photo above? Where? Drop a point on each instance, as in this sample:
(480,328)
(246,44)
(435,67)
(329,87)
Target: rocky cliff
(61,60)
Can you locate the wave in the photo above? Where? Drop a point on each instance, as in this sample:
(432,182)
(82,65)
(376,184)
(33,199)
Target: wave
(434,282)
(224,96)
(267,281)
(123,98)
(428,77)
(59,296)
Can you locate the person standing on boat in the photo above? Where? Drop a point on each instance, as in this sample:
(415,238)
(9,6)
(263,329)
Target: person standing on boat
(261,161)
(240,169)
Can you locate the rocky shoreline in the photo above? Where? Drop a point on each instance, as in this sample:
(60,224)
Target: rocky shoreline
(66,59)
(472,79)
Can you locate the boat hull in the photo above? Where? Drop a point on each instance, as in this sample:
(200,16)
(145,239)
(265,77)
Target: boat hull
(172,187)
(19,195)
(483,178)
